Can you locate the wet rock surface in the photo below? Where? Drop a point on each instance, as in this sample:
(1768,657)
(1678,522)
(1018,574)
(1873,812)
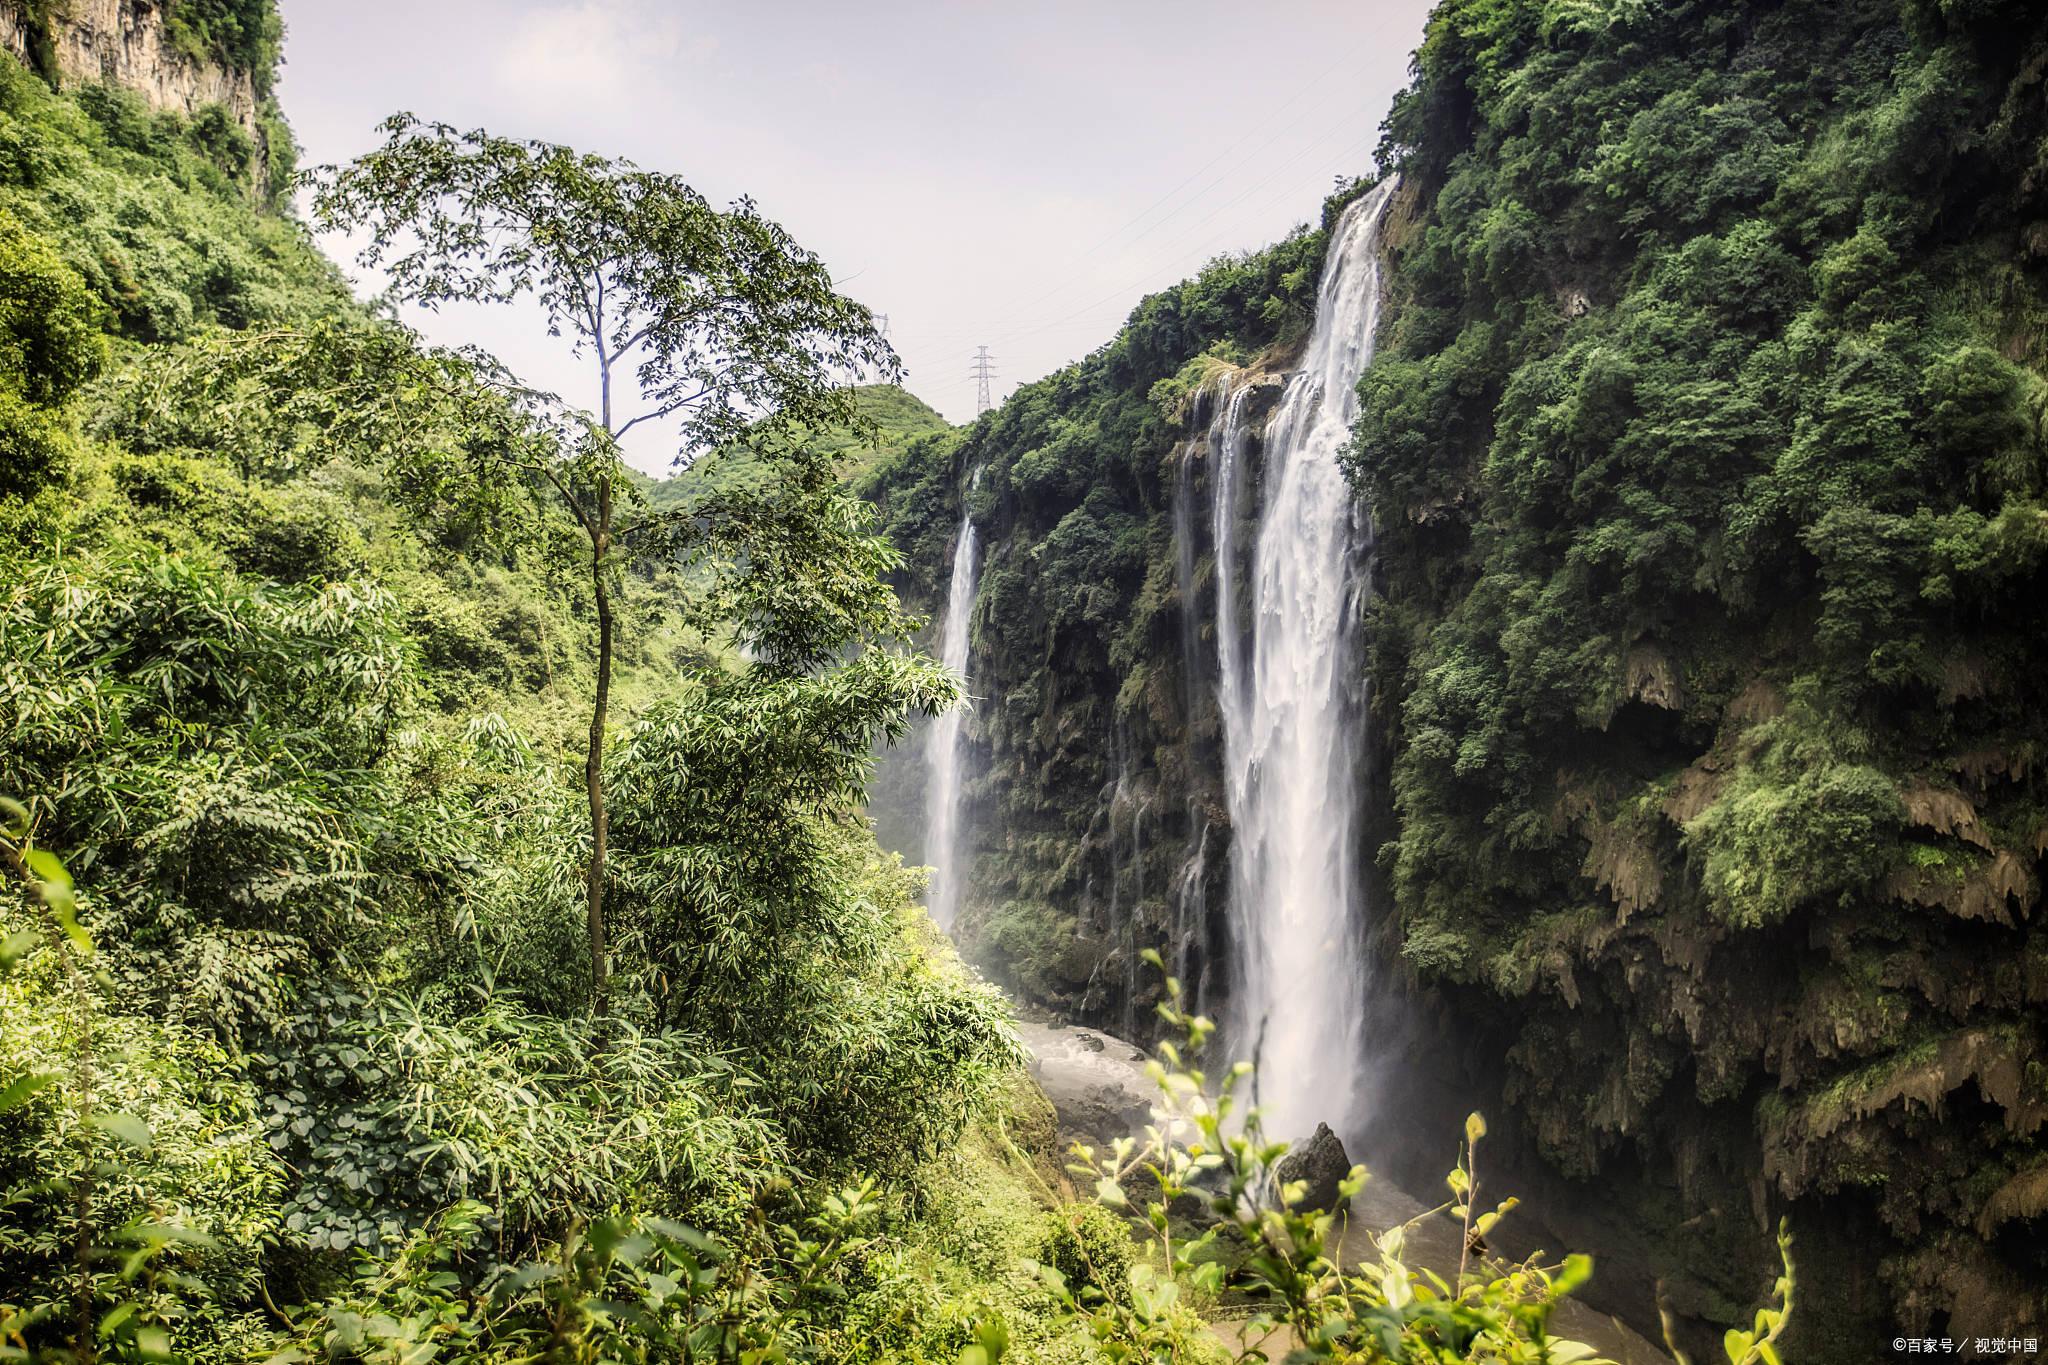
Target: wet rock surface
(1095,1081)
(1320,1162)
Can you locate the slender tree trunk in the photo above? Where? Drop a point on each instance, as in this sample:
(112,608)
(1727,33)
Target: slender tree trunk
(84,1342)
(593,767)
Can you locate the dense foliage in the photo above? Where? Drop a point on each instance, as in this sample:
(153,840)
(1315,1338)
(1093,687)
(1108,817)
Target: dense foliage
(1706,445)
(300,1041)
(148,209)
(713,321)
(1706,450)
(244,35)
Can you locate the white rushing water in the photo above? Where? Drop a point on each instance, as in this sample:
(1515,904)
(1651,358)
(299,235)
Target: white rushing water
(1292,718)
(945,777)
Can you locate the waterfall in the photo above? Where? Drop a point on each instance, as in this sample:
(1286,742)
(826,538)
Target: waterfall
(1292,719)
(1134,921)
(1191,908)
(945,768)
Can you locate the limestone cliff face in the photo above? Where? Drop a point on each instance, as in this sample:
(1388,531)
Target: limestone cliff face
(125,42)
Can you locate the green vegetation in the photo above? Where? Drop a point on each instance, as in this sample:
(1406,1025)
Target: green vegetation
(299,622)
(1385,1307)
(886,418)
(354,703)
(243,35)
(307,1049)
(716,321)
(147,209)
(1706,451)
(1706,446)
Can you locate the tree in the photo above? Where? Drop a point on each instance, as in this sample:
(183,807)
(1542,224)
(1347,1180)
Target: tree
(49,346)
(713,320)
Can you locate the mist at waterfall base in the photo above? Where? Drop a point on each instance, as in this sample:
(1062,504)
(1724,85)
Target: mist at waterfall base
(1293,708)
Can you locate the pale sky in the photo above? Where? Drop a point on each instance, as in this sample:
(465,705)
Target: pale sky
(1016,176)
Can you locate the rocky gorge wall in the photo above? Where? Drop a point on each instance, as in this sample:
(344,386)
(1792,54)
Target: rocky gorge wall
(1709,479)
(125,43)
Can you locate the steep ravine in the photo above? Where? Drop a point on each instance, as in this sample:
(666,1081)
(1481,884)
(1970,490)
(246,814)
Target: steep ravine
(1706,456)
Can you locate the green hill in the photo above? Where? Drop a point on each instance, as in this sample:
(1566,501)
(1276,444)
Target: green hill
(899,417)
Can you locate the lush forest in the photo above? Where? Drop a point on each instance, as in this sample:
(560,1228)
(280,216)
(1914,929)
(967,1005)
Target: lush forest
(1709,475)
(441,921)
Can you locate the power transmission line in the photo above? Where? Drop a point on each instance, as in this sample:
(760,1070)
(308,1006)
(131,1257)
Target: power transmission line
(983,371)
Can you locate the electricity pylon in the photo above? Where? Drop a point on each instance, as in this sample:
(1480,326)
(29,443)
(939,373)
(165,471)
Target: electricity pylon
(983,371)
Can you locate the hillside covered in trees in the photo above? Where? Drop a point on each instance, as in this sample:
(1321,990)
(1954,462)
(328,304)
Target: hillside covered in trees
(441,922)
(446,918)
(296,1039)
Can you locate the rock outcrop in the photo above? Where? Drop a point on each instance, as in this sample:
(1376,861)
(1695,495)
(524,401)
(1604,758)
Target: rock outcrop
(126,43)
(1321,1164)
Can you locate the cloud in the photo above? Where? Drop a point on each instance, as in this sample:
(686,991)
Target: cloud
(596,52)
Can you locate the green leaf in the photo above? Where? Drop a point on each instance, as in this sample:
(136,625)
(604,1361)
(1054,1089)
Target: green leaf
(1475,1127)
(126,1127)
(48,867)
(16,946)
(1576,1270)
(21,1088)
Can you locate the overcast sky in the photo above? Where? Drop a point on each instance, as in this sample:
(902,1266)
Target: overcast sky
(1016,176)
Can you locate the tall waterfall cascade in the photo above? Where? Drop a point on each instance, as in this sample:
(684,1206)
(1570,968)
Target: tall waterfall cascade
(945,775)
(1293,714)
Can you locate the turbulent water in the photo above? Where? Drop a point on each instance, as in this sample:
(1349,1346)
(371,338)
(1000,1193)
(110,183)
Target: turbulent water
(945,785)
(1291,714)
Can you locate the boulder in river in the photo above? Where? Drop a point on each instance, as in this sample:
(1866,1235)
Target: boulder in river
(1322,1163)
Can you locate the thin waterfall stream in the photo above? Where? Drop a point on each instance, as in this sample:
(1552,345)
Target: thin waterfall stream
(946,788)
(1293,721)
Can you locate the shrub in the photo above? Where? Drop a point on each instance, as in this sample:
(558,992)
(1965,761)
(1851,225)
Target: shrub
(1091,1249)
